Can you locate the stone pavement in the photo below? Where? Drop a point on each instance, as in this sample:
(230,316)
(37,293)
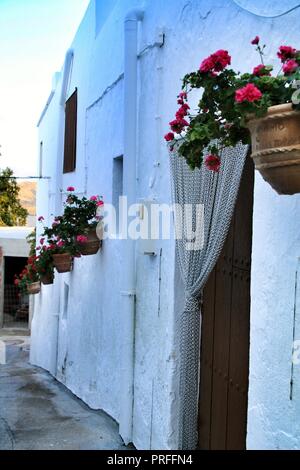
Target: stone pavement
(38,413)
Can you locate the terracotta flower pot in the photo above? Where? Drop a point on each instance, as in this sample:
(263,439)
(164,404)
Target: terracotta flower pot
(63,262)
(275,142)
(34,288)
(47,279)
(92,245)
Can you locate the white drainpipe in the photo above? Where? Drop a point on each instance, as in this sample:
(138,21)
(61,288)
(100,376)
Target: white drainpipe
(129,281)
(58,196)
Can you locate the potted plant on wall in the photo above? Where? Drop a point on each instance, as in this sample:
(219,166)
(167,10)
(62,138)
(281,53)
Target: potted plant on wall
(44,263)
(234,103)
(77,232)
(28,281)
(62,258)
(62,253)
(60,245)
(84,216)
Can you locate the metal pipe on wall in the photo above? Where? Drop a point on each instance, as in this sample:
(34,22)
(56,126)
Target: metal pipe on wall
(129,281)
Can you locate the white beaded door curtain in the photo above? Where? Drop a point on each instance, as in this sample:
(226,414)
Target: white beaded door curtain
(217,193)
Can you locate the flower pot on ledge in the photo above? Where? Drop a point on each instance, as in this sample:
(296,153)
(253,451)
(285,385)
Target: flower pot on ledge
(63,262)
(47,279)
(34,288)
(275,140)
(92,245)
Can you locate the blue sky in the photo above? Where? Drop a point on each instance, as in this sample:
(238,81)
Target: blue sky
(34,35)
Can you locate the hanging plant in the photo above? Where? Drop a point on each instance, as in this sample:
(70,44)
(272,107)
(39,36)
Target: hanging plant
(231,104)
(44,263)
(57,253)
(57,246)
(28,281)
(71,235)
(84,215)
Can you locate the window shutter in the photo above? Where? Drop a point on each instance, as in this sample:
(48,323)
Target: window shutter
(70,133)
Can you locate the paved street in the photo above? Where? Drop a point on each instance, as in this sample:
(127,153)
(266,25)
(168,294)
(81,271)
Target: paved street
(38,413)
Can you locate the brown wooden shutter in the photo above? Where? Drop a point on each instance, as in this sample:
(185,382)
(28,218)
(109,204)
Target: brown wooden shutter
(70,133)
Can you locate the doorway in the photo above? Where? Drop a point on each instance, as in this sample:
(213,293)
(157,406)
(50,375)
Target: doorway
(224,360)
(16,304)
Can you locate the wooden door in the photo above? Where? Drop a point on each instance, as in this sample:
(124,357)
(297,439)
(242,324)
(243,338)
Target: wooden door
(224,365)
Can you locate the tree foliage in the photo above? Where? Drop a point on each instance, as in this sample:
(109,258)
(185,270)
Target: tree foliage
(11,211)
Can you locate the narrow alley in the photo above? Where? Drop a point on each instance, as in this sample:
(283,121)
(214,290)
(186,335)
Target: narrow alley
(38,413)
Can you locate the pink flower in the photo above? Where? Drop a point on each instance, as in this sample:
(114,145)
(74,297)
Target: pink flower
(207,65)
(182,111)
(81,238)
(222,59)
(42,240)
(70,188)
(60,244)
(255,41)
(100,204)
(290,66)
(178,125)
(260,70)
(286,52)
(216,62)
(41,218)
(183,95)
(213,162)
(248,93)
(93,198)
(38,248)
(169,136)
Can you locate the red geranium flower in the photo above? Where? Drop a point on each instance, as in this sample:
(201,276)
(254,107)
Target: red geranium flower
(207,64)
(182,111)
(213,162)
(81,238)
(169,136)
(222,59)
(216,62)
(260,70)
(286,52)
(290,66)
(71,189)
(248,93)
(255,41)
(178,125)
(183,95)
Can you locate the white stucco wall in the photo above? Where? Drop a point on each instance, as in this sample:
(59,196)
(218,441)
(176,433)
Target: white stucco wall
(13,241)
(90,329)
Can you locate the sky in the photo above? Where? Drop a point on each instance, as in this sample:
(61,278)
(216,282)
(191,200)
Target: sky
(34,36)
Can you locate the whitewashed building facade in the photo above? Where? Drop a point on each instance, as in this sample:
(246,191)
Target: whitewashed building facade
(79,323)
